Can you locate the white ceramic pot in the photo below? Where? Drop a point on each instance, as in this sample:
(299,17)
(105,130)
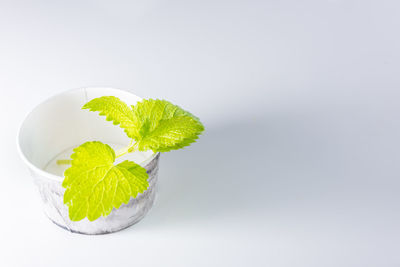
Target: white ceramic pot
(58,125)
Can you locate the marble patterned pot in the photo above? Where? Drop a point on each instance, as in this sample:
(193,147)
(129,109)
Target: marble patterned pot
(60,123)
(52,194)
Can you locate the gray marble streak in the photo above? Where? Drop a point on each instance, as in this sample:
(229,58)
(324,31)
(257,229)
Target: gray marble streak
(52,194)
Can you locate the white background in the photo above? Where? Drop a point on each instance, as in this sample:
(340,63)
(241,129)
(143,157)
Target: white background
(299,165)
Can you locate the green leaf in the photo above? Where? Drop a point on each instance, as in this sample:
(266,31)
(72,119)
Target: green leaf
(156,125)
(116,111)
(162,126)
(94,185)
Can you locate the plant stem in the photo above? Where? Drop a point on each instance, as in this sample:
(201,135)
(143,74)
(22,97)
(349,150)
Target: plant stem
(126,150)
(64,161)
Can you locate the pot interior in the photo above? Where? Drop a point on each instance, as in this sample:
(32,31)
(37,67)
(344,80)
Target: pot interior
(60,123)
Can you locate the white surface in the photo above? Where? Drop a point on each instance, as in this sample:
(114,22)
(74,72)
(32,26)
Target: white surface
(300,162)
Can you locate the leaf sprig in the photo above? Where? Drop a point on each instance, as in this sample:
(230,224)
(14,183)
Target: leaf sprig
(94,185)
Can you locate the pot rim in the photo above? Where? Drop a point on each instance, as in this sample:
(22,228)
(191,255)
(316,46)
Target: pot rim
(49,175)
